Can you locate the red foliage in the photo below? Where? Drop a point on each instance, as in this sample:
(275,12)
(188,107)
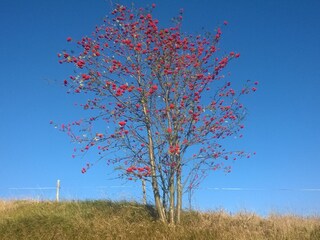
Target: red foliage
(158,79)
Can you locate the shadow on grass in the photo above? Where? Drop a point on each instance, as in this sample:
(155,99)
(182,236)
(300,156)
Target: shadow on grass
(152,212)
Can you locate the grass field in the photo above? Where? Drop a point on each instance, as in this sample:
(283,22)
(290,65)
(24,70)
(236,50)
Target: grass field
(124,220)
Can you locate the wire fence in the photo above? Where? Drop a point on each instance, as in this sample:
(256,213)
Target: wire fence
(263,189)
(224,197)
(58,187)
(61,192)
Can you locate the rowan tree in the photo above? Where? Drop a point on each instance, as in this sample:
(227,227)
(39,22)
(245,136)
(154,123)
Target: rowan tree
(159,105)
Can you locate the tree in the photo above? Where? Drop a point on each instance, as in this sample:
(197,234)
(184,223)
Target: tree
(158,99)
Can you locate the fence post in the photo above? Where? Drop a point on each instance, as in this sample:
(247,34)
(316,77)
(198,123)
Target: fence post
(144,199)
(58,191)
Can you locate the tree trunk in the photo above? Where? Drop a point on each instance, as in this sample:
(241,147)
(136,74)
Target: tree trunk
(179,192)
(171,198)
(144,194)
(154,182)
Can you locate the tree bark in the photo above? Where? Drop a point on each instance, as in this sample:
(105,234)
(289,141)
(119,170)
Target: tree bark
(144,195)
(171,198)
(179,192)
(154,182)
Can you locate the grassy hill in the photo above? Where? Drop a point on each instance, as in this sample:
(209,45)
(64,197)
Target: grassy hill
(124,220)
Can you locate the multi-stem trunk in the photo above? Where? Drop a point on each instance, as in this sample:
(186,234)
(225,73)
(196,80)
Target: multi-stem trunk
(154,182)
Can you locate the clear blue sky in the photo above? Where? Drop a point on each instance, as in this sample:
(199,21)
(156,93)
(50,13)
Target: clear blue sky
(279,42)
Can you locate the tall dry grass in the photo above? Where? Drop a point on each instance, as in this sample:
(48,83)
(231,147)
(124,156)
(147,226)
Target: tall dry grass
(126,220)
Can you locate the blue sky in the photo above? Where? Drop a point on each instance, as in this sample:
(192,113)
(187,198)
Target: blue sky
(279,46)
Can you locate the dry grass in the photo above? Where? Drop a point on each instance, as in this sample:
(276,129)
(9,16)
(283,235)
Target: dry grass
(124,220)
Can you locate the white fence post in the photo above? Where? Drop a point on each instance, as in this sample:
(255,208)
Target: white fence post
(58,191)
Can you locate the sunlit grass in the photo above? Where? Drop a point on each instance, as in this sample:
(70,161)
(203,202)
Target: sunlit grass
(127,220)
